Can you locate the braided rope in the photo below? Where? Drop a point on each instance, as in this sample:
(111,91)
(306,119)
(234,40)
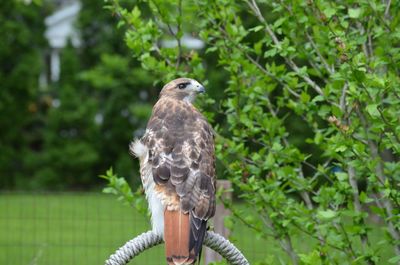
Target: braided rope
(149,239)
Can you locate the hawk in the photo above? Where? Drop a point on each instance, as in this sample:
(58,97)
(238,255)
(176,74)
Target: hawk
(177,168)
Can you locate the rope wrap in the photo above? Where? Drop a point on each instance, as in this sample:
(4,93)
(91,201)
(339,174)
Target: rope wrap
(149,239)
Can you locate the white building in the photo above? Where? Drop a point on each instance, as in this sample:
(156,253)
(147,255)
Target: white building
(60,28)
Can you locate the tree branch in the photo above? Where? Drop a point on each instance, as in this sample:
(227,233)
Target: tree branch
(387,9)
(343,97)
(357,206)
(324,62)
(261,68)
(171,31)
(254,7)
(178,33)
(379,171)
(269,74)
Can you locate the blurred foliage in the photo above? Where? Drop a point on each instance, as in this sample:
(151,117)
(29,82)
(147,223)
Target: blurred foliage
(21,40)
(310,132)
(62,135)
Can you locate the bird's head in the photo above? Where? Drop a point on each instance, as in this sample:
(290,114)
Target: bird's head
(182,89)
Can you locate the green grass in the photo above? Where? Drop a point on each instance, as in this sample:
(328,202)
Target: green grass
(85,228)
(67,229)
(71,228)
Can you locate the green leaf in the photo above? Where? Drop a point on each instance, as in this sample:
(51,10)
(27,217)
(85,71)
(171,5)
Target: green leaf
(211,49)
(312,258)
(304,97)
(109,190)
(372,109)
(270,161)
(258,47)
(270,53)
(342,176)
(395,259)
(318,98)
(256,28)
(326,215)
(329,12)
(109,172)
(354,12)
(336,111)
(279,22)
(341,148)
(364,198)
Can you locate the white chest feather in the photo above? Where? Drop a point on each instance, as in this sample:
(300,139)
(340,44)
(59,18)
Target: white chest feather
(155,205)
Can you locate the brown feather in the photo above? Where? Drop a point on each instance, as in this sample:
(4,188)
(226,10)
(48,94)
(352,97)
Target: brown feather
(176,236)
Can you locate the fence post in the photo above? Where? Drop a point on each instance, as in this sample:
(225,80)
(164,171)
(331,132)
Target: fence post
(218,220)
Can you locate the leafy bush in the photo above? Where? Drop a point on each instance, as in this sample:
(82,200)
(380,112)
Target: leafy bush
(20,66)
(311,131)
(59,135)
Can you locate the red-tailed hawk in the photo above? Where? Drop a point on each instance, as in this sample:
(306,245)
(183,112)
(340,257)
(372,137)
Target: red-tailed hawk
(177,167)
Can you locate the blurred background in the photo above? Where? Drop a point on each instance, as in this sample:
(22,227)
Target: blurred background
(72,98)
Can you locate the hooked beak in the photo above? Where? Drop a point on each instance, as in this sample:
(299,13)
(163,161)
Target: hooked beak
(201,89)
(198,88)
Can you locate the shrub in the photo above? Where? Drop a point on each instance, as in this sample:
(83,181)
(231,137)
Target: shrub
(310,135)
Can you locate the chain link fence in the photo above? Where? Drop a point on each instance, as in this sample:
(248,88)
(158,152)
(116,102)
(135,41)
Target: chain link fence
(81,228)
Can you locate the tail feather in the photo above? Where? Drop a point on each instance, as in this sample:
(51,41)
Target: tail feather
(198,228)
(176,236)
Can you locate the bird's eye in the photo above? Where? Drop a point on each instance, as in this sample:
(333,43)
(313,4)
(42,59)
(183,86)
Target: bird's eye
(182,86)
